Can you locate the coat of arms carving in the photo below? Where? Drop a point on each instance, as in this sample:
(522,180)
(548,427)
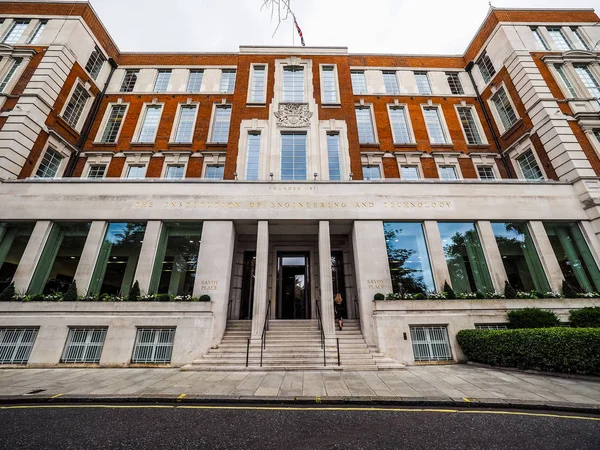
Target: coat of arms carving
(293,115)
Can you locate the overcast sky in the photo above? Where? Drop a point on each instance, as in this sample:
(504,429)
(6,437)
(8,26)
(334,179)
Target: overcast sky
(364,26)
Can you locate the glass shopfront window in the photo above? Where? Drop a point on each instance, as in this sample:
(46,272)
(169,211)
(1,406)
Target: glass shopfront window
(408,258)
(520,258)
(58,263)
(14,237)
(574,256)
(118,259)
(176,259)
(465,258)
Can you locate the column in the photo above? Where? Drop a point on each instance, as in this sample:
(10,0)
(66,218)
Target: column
(436,254)
(546,255)
(143,273)
(87,262)
(326,281)
(213,275)
(492,255)
(31,255)
(259,308)
(372,271)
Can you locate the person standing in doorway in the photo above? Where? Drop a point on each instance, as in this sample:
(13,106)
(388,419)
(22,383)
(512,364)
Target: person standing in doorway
(340,310)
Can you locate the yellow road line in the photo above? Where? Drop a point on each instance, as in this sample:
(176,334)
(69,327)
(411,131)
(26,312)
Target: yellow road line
(181,397)
(57,395)
(308,408)
(466,400)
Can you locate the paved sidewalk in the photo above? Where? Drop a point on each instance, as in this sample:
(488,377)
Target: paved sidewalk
(451,384)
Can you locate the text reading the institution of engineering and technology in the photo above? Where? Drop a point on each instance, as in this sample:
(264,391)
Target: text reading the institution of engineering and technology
(194,204)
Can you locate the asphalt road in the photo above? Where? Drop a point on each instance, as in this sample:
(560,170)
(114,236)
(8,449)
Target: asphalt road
(147,427)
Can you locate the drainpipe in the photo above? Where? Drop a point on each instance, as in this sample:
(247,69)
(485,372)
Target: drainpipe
(87,126)
(488,121)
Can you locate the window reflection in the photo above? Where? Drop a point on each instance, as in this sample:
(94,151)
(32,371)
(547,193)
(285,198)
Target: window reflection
(408,258)
(13,240)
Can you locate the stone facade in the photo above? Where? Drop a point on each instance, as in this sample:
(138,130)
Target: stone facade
(231,174)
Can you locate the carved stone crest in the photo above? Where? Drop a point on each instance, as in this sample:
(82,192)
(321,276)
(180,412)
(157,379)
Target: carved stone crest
(293,115)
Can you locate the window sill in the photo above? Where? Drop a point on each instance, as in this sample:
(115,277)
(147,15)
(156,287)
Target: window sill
(179,144)
(407,145)
(216,144)
(331,105)
(434,146)
(142,144)
(104,144)
(478,146)
(256,104)
(369,145)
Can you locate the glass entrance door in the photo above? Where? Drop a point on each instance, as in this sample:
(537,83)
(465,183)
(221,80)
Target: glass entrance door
(293,286)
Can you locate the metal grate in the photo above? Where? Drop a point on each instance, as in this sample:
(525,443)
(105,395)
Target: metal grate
(16,344)
(430,343)
(84,345)
(491,326)
(153,345)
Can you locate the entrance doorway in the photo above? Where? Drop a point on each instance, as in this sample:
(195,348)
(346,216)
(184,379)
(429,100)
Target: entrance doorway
(293,285)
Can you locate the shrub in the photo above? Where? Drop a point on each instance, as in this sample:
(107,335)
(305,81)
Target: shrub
(420,296)
(509,291)
(37,298)
(449,291)
(532,318)
(585,317)
(568,290)
(573,350)
(71,294)
(479,295)
(163,298)
(206,298)
(8,293)
(379,296)
(134,292)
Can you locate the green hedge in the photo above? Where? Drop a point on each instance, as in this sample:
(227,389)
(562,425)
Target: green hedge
(585,317)
(532,318)
(571,350)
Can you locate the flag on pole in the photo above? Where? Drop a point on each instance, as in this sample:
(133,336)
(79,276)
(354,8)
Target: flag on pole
(299,32)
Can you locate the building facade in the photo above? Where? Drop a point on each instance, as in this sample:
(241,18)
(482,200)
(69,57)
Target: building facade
(273,178)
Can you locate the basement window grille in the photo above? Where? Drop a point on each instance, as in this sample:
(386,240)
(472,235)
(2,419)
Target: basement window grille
(153,345)
(491,326)
(430,343)
(16,344)
(84,345)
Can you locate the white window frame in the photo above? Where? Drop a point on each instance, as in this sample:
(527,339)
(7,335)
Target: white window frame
(142,118)
(539,39)
(517,151)
(395,73)
(212,121)
(448,74)
(62,148)
(447,159)
(443,122)
(564,36)
(136,159)
(104,123)
(96,159)
(568,72)
(487,160)
(409,159)
(158,71)
(180,106)
(175,158)
(213,159)
(479,64)
(91,166)
(247,127)
(580,38)
(22,37)
(37,32)
(411,134)
(364,75)
(16,76)
(228,70)
(415,72)
(263,100)
(303,69)
(189,76)
(372,159)
(478,124)
(363,105)
(495,113)
(86,108)
(137,79)
(336,82)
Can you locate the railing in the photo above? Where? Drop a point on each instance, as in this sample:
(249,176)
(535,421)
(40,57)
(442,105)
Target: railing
(263,338)
(320,321)
(356,308)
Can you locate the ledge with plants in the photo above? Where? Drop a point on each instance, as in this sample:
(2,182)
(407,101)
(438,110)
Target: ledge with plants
(509,293)
(9,295)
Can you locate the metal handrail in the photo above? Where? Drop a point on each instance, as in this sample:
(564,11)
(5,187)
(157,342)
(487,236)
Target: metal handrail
(320,322)
(338,351)
(356,308)
(263,338)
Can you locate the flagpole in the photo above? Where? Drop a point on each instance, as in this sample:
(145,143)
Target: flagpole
(293,34)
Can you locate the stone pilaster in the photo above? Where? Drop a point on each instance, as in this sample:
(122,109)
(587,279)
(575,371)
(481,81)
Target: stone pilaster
(436,254)
(31,255)
(87,262)
(325,280)
(547,257)
(143,273)
(261,272)
(492,255)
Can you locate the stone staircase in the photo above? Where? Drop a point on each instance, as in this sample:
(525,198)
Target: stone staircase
(292,345)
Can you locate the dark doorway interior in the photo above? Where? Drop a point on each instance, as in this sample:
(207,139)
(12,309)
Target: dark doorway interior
(248,285)
(293,286)
(337,276)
